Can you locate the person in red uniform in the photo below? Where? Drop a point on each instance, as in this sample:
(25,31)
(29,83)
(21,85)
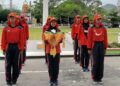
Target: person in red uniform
(53,61)
(84,51)
(12,44)
(97,45)
(21,59)
(45,28)
(74,34)
(25,26)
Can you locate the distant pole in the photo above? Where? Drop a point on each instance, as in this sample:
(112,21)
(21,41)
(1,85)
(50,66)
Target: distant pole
(45,10)
(11,5)
(68,21)
(118,7)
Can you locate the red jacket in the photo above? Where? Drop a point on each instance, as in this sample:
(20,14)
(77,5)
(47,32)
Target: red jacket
(47,25)
(75,28)
(97,35)
(26,29)
(12,35)
(81,37)
(85,26)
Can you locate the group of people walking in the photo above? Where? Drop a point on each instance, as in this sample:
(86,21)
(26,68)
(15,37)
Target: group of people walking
(89,43)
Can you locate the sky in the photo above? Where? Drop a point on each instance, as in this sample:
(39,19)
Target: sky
(17,3)
(109,1)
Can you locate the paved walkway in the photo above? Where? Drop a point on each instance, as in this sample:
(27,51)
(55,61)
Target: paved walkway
(35,73)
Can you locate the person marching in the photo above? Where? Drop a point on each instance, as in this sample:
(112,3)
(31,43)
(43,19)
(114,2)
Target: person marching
(24,24)
(74,34)
(53,60)
(21,55)
(84,51)
(25,31)
(97,45)
(45,27)
(12,44)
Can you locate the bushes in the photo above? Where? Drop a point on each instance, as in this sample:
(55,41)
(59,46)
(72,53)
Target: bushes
(114,45)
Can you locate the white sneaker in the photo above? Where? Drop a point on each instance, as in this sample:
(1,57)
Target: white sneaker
(100,82)
(95,83)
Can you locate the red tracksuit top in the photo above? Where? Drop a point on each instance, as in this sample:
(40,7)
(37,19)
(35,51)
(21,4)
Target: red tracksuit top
(12,35)
(26,29)
(97,35)
(75,30)
(82,35)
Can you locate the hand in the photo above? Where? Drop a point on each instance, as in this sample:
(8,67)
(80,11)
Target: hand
(89,52)
(21,52)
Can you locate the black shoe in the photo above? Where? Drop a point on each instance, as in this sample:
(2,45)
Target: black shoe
(56,83)
(83,69)
(51,83)
(13,82)
(87,70)
(20,72)
(76,62)
(9,84)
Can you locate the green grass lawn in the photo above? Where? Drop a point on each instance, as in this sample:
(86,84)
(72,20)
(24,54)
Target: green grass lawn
(113,52)
(35,34)
(113,35)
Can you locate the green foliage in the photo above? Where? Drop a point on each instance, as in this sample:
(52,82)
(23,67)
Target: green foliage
(114,18)
(68,8)
(114,45)
(3,15)
(37,10)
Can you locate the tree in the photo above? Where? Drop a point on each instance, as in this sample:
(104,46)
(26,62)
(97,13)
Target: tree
(68,8)
(3,15)
(114,18)
(37,10)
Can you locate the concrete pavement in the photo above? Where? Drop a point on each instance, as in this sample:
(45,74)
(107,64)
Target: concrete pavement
(35,73)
